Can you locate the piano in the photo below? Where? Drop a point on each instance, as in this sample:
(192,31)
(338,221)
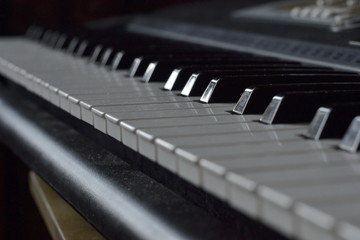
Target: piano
(217,120)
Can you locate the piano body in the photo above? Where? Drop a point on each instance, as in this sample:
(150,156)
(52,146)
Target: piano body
(223,120)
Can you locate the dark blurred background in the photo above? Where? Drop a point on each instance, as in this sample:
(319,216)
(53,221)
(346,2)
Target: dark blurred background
(17,15)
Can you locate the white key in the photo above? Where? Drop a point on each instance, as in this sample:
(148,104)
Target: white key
(86,106)
(129,127)
(165,147)
(349,230)
(320,219)
(167,110)
(277,201)
(146,136)
(158,106)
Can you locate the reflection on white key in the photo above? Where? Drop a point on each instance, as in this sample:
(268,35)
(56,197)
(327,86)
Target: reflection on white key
(319,219)
(263,148)
(86,106)
(165,146)
(141,111)
(146,136)
(188,162)
(238,183)
(278,201)
(350,229)
(158,106)
(129,127)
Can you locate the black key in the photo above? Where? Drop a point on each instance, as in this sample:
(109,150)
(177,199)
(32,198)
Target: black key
(91,49)
(255,99)
(198,82)
(123,60)
(300,107)
(46,37)
(96,54)
(115,64)
(149,46)
(128,57)
(63,42)
(104,55)
(164,64)
(332,121)
(229,89)
(53,39)
(146,64)
(31,32)
(84,49)
(160,71)
(181,75)
(145,48)
(138,67)
(39,34)
(73,45)
(107,56)
(351,140)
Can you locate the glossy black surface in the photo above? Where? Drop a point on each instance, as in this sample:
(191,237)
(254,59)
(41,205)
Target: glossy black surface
(332,121)
(255,99)
(299,107)
(229,88)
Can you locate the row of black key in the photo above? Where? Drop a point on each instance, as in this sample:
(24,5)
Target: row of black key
(285,91)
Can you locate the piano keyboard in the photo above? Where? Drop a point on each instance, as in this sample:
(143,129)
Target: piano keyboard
(303,188)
